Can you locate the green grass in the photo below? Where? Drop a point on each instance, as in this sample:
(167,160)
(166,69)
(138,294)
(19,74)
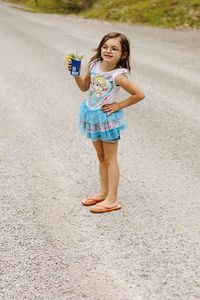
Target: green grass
(171,13)
(44,6)
(162,13)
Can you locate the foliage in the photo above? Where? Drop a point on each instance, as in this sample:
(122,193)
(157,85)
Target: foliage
(72,55)
(171,13)
(65,6)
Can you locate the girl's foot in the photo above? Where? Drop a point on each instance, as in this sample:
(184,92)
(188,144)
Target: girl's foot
(100,208)
(99,195)
(109,202)
(91,201)
(97,198)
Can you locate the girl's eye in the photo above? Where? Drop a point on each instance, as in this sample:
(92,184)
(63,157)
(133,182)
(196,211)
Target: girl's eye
(105,48)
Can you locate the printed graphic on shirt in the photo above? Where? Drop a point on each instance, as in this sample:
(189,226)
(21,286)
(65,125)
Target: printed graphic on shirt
(100,87)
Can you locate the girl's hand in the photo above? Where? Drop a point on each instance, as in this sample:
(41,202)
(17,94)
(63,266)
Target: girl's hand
(111,108)
(69,66)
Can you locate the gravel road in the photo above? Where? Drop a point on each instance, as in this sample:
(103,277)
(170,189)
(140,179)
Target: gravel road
(52,247)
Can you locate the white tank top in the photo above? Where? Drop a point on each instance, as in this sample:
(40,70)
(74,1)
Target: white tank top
(103,89)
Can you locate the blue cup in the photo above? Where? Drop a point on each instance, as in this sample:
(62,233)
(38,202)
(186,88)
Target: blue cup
(76,66)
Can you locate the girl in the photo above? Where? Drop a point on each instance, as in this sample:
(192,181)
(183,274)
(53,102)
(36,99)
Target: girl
(101,117)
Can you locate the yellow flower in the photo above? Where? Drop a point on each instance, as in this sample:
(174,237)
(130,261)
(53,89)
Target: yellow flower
(68,58)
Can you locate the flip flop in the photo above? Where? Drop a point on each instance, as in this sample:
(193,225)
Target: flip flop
(91,201)
(103,208)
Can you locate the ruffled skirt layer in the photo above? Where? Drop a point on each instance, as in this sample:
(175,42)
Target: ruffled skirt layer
(98,125)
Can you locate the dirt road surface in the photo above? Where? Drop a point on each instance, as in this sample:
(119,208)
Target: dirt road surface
(52,247)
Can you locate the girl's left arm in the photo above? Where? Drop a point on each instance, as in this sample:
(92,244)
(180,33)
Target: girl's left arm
(136,95)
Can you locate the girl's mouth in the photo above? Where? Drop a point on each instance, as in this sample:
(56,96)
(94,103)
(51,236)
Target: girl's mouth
(108,56)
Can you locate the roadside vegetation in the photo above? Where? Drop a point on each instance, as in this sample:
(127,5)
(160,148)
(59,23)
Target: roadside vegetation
(162,13)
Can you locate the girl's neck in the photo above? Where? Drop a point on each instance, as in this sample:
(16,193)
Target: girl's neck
(106,67)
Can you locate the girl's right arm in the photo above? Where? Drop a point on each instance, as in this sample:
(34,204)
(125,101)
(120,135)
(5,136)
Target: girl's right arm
(83,82)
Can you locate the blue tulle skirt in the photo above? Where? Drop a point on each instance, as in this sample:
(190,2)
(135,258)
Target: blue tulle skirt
(98,125)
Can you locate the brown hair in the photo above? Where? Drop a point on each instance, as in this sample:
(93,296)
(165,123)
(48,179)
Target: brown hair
(124,61)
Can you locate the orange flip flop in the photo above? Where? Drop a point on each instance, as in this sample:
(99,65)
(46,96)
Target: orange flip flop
(99,208)
(91,201)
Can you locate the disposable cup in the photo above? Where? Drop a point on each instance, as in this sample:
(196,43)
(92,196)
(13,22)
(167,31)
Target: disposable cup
(76,66)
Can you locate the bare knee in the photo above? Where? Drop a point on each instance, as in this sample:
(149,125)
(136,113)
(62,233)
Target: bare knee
(101,157)
(109,159)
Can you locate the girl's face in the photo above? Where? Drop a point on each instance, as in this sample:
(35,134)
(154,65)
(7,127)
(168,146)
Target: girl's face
(111,51)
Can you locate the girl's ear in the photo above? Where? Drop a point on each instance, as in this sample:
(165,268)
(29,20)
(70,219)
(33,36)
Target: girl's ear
(124,55)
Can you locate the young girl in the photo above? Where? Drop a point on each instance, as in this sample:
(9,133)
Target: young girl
(101,117)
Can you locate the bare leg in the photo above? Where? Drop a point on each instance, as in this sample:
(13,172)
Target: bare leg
(103,171)
(110,156)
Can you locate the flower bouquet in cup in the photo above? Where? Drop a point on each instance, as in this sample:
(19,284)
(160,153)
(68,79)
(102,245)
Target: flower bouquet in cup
(75,60)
